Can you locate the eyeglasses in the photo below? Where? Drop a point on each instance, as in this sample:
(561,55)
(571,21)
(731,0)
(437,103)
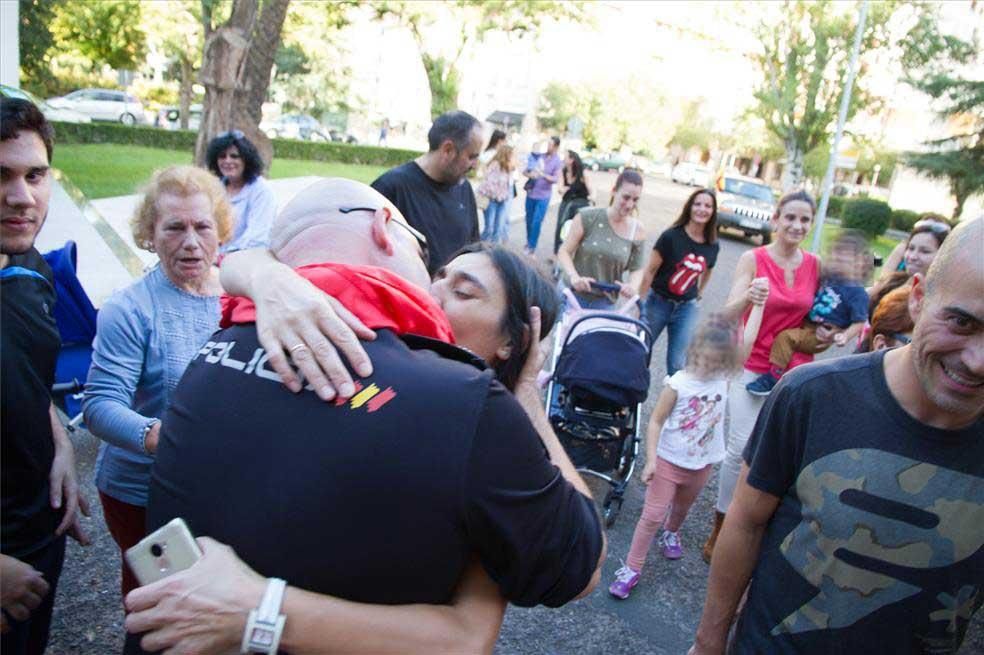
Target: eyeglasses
(235,134)
(416,234)
(933,226)
(900,338)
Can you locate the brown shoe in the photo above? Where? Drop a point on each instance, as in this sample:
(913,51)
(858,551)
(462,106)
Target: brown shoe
(711,540)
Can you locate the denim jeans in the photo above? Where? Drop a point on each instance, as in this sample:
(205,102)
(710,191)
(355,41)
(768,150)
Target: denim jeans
(536,209)
(495,215)
(679,318)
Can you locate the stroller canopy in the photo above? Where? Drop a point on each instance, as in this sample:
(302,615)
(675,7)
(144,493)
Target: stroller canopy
(610,364)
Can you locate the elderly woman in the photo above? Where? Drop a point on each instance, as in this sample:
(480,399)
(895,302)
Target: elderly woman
(146,336)
(237,162)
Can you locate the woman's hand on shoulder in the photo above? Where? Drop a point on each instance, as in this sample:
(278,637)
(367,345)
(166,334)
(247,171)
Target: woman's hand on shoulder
(295,318)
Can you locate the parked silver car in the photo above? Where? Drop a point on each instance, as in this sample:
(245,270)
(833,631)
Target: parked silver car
(51,113)
(103,105)
(746,204)
(691,174)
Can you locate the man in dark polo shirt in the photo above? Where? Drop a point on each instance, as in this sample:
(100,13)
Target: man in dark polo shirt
(432,192)
(381,498)
(40,492)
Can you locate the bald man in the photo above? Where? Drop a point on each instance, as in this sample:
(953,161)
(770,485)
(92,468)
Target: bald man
(381,498)
(859,508)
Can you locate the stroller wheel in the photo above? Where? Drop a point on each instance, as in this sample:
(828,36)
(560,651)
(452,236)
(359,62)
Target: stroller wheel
(611,507)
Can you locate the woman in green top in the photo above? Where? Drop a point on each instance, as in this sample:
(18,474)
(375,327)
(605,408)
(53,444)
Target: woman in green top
(604,243)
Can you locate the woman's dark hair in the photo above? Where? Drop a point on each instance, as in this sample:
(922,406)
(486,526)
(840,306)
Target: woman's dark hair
(894,281)
(710,229)
(22,115)
(498,136)
(252,162)
(525,286)
(577,167)
(628,176)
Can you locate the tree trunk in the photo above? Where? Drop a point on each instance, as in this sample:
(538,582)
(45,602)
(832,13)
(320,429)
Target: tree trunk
(184,95)
(961,197)
(792,172)
(236,64)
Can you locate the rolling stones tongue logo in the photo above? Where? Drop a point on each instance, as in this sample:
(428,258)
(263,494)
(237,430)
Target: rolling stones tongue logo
(686,273)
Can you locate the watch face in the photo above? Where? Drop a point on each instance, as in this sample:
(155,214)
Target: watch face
(261,637)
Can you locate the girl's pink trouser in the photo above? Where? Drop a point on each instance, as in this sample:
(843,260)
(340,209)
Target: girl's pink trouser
(672,491)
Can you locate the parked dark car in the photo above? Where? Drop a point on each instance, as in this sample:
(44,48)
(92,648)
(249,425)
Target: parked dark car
(610,162)
(746,204)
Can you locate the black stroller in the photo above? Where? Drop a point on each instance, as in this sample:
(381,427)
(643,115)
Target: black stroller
(594,397)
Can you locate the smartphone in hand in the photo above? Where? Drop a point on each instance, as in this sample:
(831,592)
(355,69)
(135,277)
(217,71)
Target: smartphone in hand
(168,550)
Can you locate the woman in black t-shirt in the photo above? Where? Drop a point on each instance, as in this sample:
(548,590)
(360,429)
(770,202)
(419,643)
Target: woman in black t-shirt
(576,194)
(678,270)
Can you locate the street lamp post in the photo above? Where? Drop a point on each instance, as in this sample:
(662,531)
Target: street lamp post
(841,119)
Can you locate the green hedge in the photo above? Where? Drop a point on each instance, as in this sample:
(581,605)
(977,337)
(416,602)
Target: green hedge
(185,140)
(867,215)
(137,135)
(904,219)
(835,206)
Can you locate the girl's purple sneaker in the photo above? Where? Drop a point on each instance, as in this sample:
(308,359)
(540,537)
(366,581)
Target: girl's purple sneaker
(672,549)
(625,580)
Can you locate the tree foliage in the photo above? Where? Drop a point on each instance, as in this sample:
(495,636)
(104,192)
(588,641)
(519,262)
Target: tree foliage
(694,130)
(473,20)
(615,113)
(934,61)
(803,66)
(109,33)
(310,75)
(35,41)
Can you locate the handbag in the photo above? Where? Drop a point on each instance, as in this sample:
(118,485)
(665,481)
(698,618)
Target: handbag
(529,185)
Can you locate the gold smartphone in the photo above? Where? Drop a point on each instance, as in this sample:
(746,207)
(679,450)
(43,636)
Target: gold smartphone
(169,549)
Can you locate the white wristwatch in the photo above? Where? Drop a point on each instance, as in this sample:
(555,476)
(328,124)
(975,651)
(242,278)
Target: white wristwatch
(266,623)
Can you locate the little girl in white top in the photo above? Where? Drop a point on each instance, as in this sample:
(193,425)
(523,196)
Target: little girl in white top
(685,438)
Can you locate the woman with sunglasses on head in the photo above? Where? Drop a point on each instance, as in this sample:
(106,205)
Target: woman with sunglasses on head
(914,255)
(237,162)
(896,261)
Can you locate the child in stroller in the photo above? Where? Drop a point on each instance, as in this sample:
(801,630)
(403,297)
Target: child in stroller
(685,438)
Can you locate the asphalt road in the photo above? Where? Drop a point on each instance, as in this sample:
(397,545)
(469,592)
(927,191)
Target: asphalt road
(660,617)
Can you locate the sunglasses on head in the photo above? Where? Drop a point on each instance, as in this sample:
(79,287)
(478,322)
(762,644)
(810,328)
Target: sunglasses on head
(933,226)
(235,134)
(416,234)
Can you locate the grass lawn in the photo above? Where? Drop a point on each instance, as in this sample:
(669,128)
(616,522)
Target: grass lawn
(103,170)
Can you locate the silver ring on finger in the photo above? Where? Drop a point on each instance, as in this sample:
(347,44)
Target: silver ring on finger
(297,348)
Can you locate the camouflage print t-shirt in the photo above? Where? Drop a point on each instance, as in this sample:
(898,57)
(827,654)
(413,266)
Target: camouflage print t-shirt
(876,546)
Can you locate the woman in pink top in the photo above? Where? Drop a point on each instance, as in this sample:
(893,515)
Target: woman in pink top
(787,277)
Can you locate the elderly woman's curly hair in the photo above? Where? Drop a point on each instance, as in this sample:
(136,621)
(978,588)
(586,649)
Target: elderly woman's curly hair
(182,181)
